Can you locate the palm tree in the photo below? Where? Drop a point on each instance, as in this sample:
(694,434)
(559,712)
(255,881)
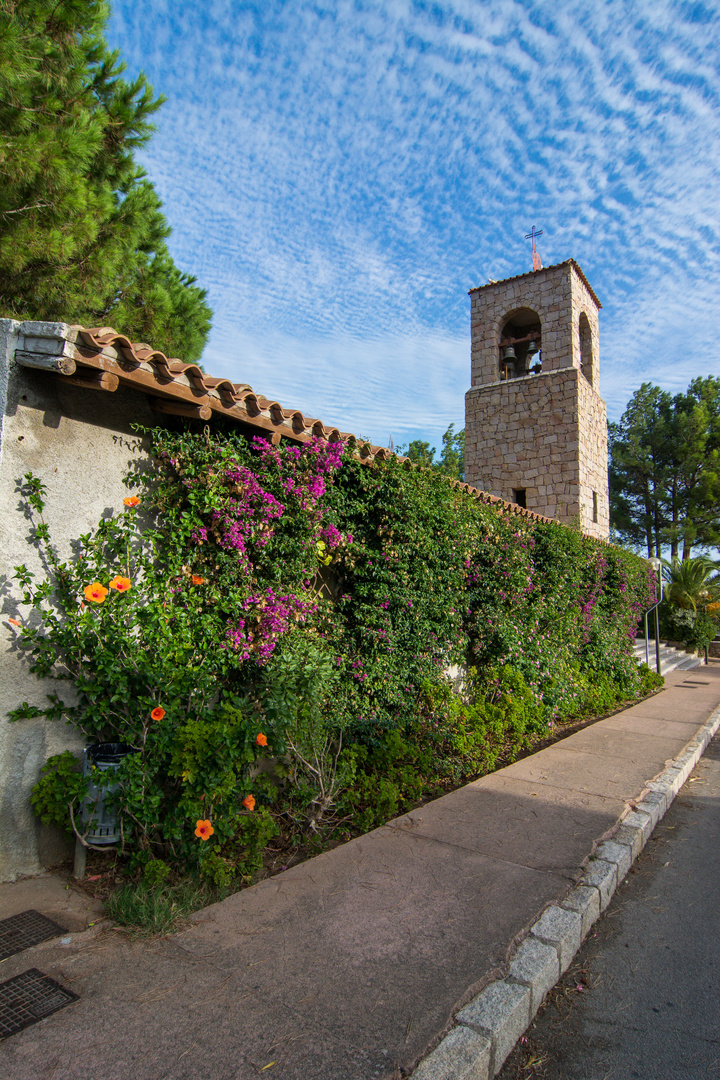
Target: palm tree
(692,584)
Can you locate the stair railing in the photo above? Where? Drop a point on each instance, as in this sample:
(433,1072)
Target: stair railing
(657,567)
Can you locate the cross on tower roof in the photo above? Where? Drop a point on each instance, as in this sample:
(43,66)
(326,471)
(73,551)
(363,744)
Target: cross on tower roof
(533,235)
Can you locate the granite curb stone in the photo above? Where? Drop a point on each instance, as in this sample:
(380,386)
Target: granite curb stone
(612,852)
(671,781)
(561,928)
(502,1012)
(584,899)
(464,1054)
(653,803)
(642,821)
(536,965)
(630,835)
(603,876)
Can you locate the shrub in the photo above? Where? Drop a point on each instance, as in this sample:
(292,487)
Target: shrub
(270,628)
(61,787)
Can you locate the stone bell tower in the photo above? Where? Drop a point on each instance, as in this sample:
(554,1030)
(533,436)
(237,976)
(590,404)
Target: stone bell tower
(535,424)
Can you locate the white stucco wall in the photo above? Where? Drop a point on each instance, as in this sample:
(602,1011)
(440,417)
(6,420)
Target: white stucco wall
(81,445)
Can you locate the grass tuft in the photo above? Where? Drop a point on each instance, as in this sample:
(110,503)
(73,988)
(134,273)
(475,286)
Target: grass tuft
(156,909)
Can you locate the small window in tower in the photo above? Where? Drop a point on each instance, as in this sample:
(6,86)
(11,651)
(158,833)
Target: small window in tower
(518,496)
(595,508)
(586,350)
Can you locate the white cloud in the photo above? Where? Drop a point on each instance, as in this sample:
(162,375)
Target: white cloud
(388,386)
(339,174)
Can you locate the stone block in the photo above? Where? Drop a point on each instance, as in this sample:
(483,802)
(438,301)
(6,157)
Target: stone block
(502,1013)
(42,329)
(676,778)
(602,876)
(560,928)
(644,819)
(687,762)
(46,345)
(536,965)
(632,836)
(463,1054)
(614,852)
(655,803)
(666,786)
(585,899)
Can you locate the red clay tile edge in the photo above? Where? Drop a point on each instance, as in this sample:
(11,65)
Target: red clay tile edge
(105,358)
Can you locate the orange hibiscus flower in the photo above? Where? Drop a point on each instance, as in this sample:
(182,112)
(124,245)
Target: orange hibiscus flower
(204,829)
(132,500)
(249,802)
(96,593)
(261,739)
(121,584)
(157,713)
(197,580)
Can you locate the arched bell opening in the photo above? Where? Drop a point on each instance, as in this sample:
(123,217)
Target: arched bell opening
(520,344)
(586,350)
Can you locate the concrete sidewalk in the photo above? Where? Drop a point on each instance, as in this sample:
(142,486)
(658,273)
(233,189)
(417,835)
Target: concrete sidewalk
(353,965)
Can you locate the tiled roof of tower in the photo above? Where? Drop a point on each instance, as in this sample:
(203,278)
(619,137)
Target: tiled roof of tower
(103,359)
(531,273)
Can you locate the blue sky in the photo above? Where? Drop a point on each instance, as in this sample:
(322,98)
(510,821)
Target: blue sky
(339,173)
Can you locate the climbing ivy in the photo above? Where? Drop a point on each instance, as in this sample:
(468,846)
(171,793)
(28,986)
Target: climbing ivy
(271,629)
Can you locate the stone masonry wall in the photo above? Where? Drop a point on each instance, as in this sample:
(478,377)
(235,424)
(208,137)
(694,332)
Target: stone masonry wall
(583,303)
(546,433)
(559,296)
(524,433)
(547,292)
(593,461)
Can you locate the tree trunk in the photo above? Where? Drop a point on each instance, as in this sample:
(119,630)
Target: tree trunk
(675,543)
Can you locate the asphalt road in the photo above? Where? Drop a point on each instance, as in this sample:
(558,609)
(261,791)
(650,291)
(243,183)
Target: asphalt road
(642,998)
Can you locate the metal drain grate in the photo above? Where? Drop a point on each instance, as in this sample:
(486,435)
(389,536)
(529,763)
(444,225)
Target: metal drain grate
(28,998)
(21,931)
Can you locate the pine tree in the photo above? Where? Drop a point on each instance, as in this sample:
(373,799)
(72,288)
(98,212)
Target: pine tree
(452,459)
(82,234)
(665,468)
(697,450)
(640,466)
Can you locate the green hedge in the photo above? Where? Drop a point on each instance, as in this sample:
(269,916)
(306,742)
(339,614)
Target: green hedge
(271,628)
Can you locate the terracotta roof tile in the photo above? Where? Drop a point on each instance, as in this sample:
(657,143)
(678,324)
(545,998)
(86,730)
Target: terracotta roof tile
(105,359)
(138,365)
